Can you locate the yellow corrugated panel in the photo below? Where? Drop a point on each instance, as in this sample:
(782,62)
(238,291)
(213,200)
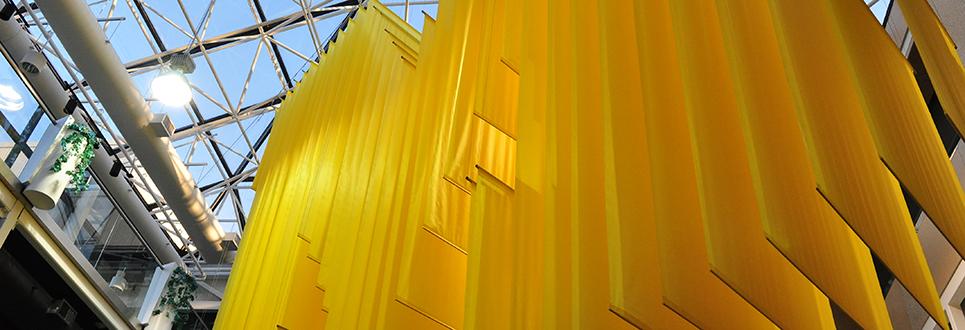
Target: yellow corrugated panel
(849,172)
(634,265)
(905,134)
(558,300)
(585,125)
(275,247)
(499,91)
(405,317)
(635,284)
(531,201)
(531,116)
(796,219)
(940,55)
(437,83)
(303,307)
(369,242)
(495,152)
(438,279)
(688,286)
(738,251)
(467,77)
(489,287)
(576,234)
(328,177)
(348,244)
(424,150)
(453,207)
(502,97)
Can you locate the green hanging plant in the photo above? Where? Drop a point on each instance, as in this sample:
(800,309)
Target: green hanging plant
(80,143)
(178,294)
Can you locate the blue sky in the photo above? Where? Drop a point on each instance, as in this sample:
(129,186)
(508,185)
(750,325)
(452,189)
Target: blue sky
(880,9)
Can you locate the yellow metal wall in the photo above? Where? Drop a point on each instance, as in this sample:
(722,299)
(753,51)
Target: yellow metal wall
(596,164)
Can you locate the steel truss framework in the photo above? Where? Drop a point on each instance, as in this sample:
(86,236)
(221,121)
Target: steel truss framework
(201,134)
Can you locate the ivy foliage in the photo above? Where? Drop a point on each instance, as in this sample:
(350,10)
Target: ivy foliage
(178,294)
(79,143)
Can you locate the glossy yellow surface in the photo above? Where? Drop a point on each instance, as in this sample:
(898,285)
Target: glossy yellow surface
(940,55)
(938,194)
(618,164)
(800,224)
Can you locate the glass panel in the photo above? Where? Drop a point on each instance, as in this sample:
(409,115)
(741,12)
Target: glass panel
(22,120)
(108,242)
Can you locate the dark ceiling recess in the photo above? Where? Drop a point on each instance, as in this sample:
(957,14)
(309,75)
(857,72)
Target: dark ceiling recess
(34,296)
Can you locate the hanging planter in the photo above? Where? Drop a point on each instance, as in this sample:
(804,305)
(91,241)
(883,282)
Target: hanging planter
(72,157)
(177,297)
(78,151)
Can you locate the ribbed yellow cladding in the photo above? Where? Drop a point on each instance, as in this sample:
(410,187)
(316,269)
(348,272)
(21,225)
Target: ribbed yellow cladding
(490,286)
(736,247)
(796,219)
(688,285)
(918,162)
(849,171)
(940,55)
(903,130)
(593,164)
(635,283)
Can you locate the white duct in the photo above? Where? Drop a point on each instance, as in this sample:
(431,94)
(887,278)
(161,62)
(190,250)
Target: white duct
(85,41)
(16,44)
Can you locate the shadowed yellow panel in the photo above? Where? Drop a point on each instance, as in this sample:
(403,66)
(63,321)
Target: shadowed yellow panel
(489,298)
(738,252)
(438,279)
(495,151)
(849,172)
(303,308)
(439,81)
(688,286)
(558,310)
(590,284)
(797,220)
(404,317)
(635,283)
(531,168)
(905,134)
(472,34)
(940,55)
(498,104)
(454,211)
(320,165)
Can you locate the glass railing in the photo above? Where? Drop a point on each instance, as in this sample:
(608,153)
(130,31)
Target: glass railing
(92,224)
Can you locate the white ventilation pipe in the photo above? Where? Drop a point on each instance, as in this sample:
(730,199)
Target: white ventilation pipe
(17,46)
(85,41)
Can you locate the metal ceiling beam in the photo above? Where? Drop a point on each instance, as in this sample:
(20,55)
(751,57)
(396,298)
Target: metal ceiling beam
(241,167)
(246,33)
(80,34)
(222,120)
(222,163)
(274,47)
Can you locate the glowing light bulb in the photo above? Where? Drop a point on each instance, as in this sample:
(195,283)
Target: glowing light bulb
(171,88)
